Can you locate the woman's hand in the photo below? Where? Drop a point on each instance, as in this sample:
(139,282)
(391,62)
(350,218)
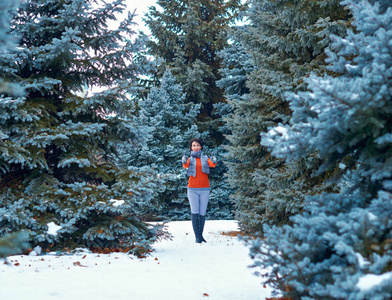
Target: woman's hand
(213,159)
(184,158)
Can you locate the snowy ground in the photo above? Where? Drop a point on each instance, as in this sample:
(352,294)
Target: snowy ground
(178,269)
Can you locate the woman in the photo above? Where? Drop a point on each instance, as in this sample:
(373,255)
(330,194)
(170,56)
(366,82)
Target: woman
(198,166)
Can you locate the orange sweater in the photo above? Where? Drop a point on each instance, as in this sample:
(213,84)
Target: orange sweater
(201,179)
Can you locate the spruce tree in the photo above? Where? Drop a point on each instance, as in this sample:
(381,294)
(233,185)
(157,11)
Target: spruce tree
(187,36)
(15,243)
(284,41)
(171,126)
(340,248)
(236,64)
(7,42)
(62,174)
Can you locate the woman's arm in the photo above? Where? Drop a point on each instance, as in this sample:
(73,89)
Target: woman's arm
(185,161)
(211,164)
(186,165)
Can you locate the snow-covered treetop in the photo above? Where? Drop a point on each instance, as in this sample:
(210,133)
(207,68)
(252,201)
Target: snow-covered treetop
(346,115)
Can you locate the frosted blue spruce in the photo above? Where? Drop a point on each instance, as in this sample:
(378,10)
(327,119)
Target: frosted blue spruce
(59,139)
(171,124)
(342,242)
(12,243)
(7,41)
(187,37)
(281,44)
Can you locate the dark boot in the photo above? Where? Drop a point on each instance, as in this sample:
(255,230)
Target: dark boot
(201,227)
(196,226)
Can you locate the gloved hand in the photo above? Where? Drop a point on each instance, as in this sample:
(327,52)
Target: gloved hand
(184,158)
(213,158)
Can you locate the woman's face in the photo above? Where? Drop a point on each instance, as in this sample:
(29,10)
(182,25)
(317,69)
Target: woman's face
(196,146)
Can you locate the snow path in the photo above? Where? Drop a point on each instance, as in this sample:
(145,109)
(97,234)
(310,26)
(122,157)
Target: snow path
(178,269)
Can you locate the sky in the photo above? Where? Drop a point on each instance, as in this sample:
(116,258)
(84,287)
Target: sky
(141,7)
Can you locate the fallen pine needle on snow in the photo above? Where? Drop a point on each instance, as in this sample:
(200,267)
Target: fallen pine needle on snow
(177,269)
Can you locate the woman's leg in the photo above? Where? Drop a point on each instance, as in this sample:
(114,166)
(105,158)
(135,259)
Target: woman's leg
(194,201)
(204,197)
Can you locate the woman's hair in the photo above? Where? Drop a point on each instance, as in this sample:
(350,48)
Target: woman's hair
(197,141)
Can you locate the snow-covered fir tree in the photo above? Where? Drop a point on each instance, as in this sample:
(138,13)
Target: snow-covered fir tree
(7,42)
(340,247)
(171,124)
(187,36)
(236,64)
(284,42)
(16,242)
(58,179)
